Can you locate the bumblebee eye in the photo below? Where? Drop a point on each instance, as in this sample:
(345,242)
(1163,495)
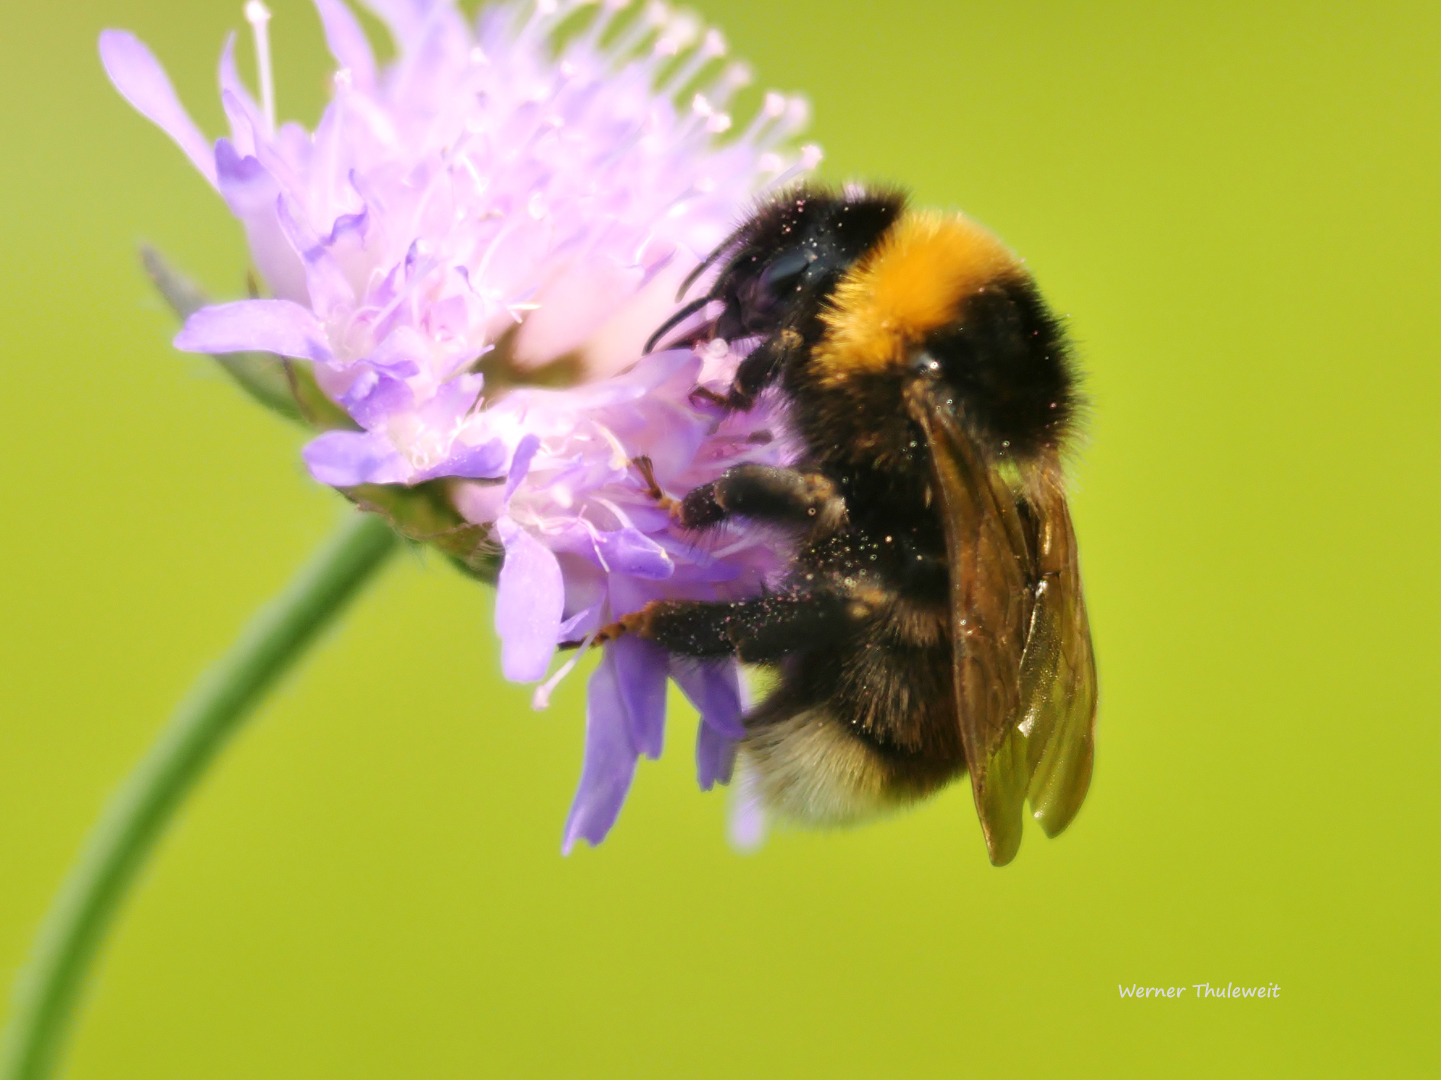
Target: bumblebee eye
(768,292)
(925,365)
(784,271)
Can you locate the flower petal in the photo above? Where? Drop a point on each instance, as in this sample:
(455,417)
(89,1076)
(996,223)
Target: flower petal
(276,326)
(240,108)
(520,462)
(610,759)
(252,192)
(715,757)
(714,688)
(529,602)
(347,42)
(630,551)
(483,461)
(747,822)
(403,18)
(330,293)
(347,458)
(375,395)
(141,81)
(640,671)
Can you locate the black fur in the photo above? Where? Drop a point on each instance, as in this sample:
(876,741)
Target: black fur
(1006,358)
(861,630)
(779,267)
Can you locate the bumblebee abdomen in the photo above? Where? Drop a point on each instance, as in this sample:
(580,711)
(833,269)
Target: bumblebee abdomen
(814,768)
(860,727)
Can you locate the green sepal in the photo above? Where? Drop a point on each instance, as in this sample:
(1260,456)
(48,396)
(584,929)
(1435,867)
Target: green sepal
(285,386)
(426,514)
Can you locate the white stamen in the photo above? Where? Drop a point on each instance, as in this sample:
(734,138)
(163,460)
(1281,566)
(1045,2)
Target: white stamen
(798,114)
(711,47)
(541,698)
(810,157)
(258,16)
(714,45)
(734,77)
(683,28)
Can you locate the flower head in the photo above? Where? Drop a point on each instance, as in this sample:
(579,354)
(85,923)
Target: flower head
(469,252)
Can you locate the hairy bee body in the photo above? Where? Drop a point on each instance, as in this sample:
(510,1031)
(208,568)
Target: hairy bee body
(931,622)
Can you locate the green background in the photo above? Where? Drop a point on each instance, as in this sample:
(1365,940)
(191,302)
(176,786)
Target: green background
(1237,205)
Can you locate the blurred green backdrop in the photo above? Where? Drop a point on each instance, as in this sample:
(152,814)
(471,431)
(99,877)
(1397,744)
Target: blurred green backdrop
(1238,205)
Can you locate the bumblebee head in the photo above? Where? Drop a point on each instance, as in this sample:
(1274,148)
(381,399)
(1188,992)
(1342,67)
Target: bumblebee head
(940,305)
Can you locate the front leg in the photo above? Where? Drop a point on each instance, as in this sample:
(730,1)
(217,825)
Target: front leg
(755,631)
(761,367)
(765,493)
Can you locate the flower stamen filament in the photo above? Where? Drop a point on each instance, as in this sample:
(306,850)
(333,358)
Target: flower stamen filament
(258,16)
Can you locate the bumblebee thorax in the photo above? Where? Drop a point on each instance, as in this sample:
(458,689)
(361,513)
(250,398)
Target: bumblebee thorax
(939,297)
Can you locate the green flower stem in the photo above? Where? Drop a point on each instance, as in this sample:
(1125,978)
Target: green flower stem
(136,816)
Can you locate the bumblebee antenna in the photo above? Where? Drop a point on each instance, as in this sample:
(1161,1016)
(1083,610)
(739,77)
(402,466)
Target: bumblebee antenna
(704,265)
(679,317)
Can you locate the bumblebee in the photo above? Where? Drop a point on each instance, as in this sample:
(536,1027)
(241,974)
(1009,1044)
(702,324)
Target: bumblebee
(931,622)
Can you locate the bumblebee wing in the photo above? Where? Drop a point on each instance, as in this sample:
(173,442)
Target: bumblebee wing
(1058,671)
(990,602)
(1025,676)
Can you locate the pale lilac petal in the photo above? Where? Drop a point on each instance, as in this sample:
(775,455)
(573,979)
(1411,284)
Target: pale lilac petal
(520,463)
(640,672)
(747,822)
(403,18)
(141,80)
(252,193)
(714,688)
(240,108)
(452,401)
(275,326)
(376,395)
(715,757)
(529,602)
(346,458)
(630,551)
(330,293)
(610,759)
(347,42)
(480,462)
(348,226)
(401,353)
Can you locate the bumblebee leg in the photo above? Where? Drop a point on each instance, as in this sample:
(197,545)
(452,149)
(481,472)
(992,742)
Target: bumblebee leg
(764,493)
(758,370)
(753,630)
(646,469)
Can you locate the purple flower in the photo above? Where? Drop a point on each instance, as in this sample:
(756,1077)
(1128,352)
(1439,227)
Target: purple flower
(500,211)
